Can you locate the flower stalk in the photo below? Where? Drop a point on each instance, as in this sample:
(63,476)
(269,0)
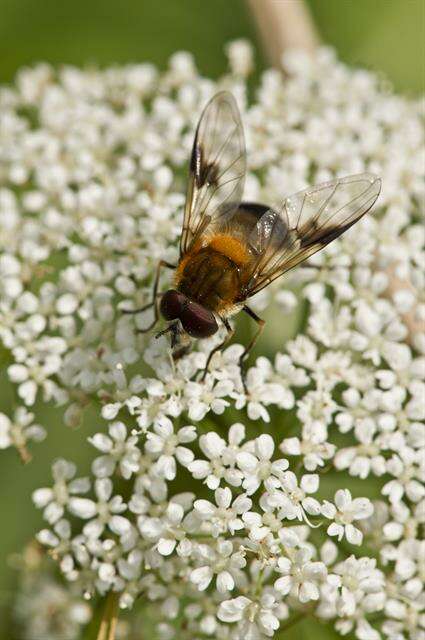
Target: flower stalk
(108,623)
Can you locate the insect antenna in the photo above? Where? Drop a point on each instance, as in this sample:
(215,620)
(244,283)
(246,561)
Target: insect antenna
(173,328)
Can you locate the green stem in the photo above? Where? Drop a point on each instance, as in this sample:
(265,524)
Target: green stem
(259,582)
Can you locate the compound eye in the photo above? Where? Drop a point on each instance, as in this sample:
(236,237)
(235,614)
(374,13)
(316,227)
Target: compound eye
(172,303)
(198,321)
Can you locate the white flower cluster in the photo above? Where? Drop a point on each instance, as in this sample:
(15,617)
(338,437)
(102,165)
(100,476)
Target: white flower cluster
(45,608)
(255,535)
(230,533)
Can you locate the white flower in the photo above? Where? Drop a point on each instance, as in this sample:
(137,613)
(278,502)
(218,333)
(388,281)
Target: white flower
(209,395)
(20,430)
(344,513)
(233,610)
(225,515)
(166,447)
(268,386)
(300,576)
(257,466)
(254,618)
(240,57)
(105,512)
(220,561)
(361,587)
(60,541)
(168,531)
(118,449)
(316,406)
(54,500)
(46,607)
(294,501)
(221,458)
(313,445)
(409,468)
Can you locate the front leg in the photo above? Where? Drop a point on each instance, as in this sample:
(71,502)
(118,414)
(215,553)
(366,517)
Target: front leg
(155,297)
(229,335)
(260,322)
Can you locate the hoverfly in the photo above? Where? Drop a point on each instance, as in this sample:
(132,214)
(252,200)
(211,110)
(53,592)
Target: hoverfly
(229,249)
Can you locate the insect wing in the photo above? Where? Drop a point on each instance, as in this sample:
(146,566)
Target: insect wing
(217,168)
(307,222)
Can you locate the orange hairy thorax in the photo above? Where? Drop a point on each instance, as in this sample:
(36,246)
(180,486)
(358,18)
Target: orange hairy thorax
(230,247)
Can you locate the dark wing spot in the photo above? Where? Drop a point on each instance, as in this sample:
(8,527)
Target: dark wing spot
(253,208)
(315,234)
(210,174)
(204,172)
(195,161)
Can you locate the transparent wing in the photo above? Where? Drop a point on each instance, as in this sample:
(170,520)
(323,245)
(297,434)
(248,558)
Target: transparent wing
(217,168)
(306,222)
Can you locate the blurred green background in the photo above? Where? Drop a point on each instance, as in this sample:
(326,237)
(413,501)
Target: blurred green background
(383,35)
(387,35)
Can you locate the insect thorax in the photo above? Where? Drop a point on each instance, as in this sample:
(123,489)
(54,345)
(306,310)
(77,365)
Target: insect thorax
(210,278)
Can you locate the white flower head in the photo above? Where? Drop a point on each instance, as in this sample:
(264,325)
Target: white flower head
(220,530)
(344,513)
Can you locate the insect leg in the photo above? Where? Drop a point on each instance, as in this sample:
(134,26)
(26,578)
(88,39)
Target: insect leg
(229,335)
(181,351)
(260,322)
(155,295)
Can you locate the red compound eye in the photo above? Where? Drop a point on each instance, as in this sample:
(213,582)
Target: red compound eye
(198,321)
(172,303)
